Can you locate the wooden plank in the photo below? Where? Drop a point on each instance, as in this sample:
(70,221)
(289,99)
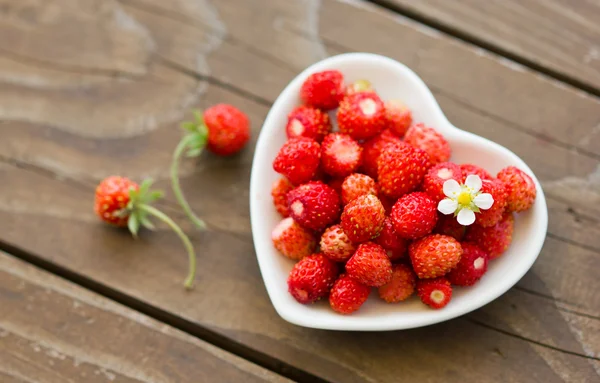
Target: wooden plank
(54,331)
(79,150)
(559,35)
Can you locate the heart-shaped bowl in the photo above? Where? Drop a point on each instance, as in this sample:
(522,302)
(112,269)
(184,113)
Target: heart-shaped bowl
(392,80)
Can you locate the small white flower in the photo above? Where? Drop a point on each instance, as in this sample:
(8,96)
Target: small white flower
(465,200)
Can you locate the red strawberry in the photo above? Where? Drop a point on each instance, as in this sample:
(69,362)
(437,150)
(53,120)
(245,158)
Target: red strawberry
(228,129)
(401,287)
(433,183)
(434,255)
(340,154)
(121,202)
(348,295)
(468,169)
(494,214)
(471,267)
(323,90)
(494,240)
(520,189)
(448,225)
(429,140)
(372,149)
(298,160)
(356,185)
(312,278)
(394,245)
(314,205)
(414,215)
(361,115)
(336,184)
(363,218)
(399,117)
(336,245)
(401,169)
(305,121)
(279,192)
(435,293)
(292,240)
(387,202)
(370,265)
(359,86)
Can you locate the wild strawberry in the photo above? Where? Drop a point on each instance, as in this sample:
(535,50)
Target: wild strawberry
(292,240)
(494,240)
(361,115)
(435,293)
(121,202)
(394,245)
(448,225)
(359,86)
(336,245)
(471,267)
(279,192)
(356,185)
(493,215)
(429,140)
(468,169)
(414,215)
(336,184)
(298,160)
(340,154)
(520,189)
(314,205)
(370,265)
(434,255)
(305,121)
(372,149)
(312,278)
(348,295)
(401,287)
(433,184)
(363,218)
(401,169)
(323,90)
(399,117)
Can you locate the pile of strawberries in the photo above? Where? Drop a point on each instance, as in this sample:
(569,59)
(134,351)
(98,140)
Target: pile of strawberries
(360,205)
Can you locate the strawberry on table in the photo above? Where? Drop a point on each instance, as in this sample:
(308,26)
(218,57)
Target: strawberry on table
(348,295)
(471,267)
(370,265)
(414,215)
(494,240)
(305,121)
(394,245)
(433,184)
(519,187)
(292,240)
(399,117)
(336,245)
(435,293)
(361,115)
(435,255)
(362,219)
(298,160)
(323,90)
(314,205)
(122,202)
(340,155)
(356,185)
(279,192)
(429,140)
(401,169)
(312,278)
(401,287)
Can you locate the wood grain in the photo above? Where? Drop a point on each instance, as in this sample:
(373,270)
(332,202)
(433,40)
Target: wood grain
(54,331)
(202,54)
(560,35)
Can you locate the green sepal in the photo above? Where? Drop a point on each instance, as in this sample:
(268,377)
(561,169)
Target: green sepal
(189,126)
(133,224)
(154,196)
(195,152)
(145,221)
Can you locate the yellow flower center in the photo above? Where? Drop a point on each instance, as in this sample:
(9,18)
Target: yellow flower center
(464,198)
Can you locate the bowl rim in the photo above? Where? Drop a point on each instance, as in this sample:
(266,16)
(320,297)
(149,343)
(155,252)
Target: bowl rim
(369,324)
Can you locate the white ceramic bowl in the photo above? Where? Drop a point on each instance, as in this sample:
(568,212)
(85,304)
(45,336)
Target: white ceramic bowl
(391,79)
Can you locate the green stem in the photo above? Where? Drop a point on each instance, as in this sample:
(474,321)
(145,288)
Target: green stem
(177,188)
(189,281)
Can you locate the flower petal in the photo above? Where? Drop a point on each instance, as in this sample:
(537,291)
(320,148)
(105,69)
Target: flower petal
(451,187)
(447,206)
(484,201)
(466,217)
(474,182)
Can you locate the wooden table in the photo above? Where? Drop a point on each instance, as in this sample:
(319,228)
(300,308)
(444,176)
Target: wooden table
(91,88)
